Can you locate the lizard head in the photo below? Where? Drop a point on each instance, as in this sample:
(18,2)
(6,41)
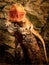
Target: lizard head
(16,13)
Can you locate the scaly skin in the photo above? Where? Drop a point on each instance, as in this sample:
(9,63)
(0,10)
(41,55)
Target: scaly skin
(19,18)
(27,24)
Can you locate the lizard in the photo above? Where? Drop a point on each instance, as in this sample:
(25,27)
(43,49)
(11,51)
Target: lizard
(20,18)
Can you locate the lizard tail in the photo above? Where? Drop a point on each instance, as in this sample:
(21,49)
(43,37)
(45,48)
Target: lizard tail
(43,43)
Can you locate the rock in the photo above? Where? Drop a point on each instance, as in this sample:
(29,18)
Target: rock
(39,10)
(9,40)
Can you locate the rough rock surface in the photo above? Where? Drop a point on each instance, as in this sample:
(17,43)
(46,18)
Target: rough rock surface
(37,12)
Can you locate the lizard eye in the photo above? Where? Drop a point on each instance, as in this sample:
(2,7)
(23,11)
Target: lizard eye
(29,27)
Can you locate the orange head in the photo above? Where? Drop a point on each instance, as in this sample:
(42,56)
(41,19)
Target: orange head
(16,13)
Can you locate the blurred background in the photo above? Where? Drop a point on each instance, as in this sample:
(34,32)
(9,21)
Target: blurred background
(37,13)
